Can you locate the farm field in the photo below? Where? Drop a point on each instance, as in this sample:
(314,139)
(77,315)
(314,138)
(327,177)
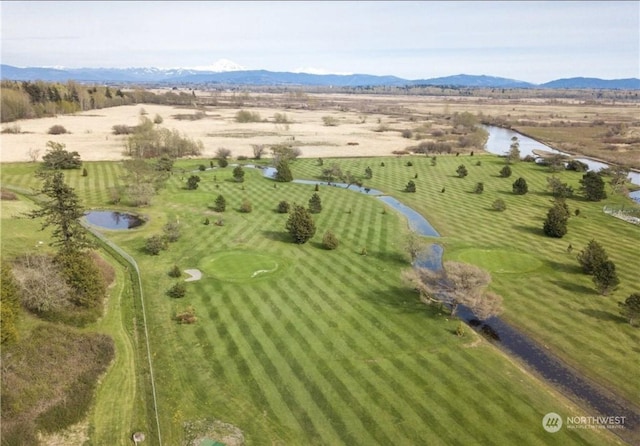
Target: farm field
(330,347)
(300,345)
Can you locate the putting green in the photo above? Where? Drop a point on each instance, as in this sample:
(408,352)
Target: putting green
(241,265)
(500,261)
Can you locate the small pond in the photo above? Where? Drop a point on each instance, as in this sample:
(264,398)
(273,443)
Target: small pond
(113,219)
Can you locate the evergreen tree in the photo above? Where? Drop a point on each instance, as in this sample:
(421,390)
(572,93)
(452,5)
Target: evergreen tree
(505,172)
(591,257)
(238,174)
(300,225)
(59,158)
(220,204)
(555,224)
(630,308)
(83,275)
(62,211)
(368,173)
(9,305)
(558,188)
(410,187)
(283,174)
(513,155)
(315,204)
(192,182)
(520,186)
(605,277)
(593,186)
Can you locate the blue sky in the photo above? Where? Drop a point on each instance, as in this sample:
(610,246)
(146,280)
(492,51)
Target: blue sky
(530,41)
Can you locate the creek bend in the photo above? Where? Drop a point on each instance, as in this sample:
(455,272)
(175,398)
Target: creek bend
(500,139)
(544,364)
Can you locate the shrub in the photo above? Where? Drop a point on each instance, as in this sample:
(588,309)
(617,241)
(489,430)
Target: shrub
(330,121)
(177,291)
(122,129)
(329,240)
(246,207)
(281,118)
(202,167)
(479,188)
(244,116)
(85,172)
(157,119)
(462,171)
(175,272)
(406,133)
(283,207)
(57,130)
(7,195)
(154,244)
(499,205)
(223,162)
(12,129)
(172,231)
(206,221)
(188,316)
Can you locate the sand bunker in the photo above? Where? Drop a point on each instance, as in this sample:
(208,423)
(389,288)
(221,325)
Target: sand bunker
(195,274)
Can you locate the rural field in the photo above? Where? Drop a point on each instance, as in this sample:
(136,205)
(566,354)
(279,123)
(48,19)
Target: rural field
(296,344)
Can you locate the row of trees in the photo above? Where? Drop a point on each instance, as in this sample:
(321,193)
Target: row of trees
(24,100)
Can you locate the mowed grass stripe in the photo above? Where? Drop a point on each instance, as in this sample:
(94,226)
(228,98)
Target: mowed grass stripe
(318,354)
(245,380)
(274,369)
(314,400)
(407,395)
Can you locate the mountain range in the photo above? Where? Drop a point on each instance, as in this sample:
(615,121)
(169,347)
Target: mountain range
(239,76)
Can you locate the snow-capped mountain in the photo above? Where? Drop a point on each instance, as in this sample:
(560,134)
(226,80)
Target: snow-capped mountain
(228,72)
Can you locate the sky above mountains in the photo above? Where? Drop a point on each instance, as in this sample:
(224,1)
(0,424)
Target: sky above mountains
(530,41)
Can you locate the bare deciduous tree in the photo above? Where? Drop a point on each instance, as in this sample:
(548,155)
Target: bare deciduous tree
(42,285)
(33,154)
(258,150)
(456,284)
(223,153)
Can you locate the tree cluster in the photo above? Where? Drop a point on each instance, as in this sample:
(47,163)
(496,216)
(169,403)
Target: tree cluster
(594,261)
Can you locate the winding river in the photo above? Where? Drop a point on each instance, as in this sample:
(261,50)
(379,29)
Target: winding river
(584,392)
(500,140)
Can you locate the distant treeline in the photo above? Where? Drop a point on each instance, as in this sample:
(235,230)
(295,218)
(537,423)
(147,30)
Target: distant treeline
(26,99)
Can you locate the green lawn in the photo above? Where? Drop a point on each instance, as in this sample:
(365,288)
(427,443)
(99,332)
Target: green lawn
(330,347)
